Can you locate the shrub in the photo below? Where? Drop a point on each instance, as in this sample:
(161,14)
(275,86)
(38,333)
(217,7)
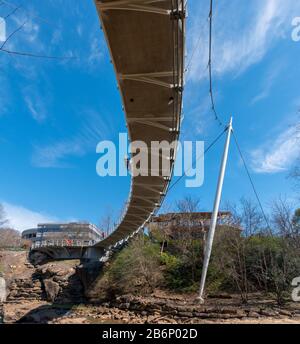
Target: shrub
(136,268)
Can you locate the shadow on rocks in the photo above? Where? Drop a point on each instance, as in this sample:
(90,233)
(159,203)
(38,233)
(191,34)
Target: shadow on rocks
(44,314)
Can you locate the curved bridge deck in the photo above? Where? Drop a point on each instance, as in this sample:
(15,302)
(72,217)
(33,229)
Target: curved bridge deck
(146,42)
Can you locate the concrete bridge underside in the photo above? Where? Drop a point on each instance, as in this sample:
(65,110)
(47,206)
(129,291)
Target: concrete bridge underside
(146,42)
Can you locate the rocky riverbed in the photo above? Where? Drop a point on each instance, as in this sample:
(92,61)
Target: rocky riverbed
(151,310)
(54,293)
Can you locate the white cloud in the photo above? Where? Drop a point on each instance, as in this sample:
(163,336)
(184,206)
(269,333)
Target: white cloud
(79,30)
(267,83)
(277,155)
(96,51)
(92,130)
(53,155)
(198,119)
(21,218)
(56,37)
(36,107)
(243,33)
(28,36)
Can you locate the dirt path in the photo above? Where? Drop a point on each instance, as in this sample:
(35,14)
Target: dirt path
(14,264)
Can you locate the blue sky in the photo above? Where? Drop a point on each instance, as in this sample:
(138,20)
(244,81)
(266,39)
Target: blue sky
(54,112)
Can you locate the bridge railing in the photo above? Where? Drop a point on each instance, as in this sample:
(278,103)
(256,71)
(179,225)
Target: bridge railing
(62,243)
(116,225)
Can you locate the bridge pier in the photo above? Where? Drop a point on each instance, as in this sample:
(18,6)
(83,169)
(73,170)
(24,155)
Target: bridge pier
(93,253)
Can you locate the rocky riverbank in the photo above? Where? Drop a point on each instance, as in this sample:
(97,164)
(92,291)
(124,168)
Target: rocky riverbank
(32,286)
(54,293)
(149,310)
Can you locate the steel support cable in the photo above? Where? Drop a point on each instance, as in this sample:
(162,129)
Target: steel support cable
(205,152)
(217,117)
(13,11)
(209,66)
(20,53)
(196,47)
(12,34)
(251,181)
(200,157)
(27,54)
(8,3)
(211,91)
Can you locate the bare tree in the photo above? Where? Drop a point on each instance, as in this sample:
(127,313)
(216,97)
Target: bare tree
(234,219)
(245,215)
(295,175)
(275,258)
(10,238)
(231,260)
(252,218)
(282,214)
(188,204)
(159,234)
(3,220)
(232,250)
(107,222)
(296,222)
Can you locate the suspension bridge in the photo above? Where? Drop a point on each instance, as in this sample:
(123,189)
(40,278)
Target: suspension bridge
(146,41)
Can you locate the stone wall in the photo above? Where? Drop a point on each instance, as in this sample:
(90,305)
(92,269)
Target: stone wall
(181,311)
(25,289)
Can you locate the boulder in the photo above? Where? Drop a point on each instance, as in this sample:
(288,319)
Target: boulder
(37,258)
(52,289)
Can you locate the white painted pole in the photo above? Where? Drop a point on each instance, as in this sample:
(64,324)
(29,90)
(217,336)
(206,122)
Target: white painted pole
(213,223)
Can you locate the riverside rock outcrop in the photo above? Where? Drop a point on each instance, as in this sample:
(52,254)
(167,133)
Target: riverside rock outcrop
(50,282)
(56,282)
